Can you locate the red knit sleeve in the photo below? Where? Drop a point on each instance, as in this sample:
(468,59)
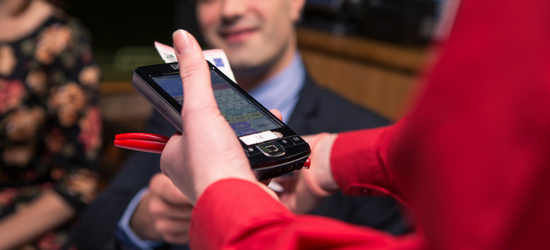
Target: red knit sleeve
(237,214)
(359,162)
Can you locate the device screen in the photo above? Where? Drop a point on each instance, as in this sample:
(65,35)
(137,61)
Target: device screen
(244,117)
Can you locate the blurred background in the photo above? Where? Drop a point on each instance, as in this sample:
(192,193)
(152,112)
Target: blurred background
(124,31)
(369,51)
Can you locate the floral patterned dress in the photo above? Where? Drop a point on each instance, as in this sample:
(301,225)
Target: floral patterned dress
(50,125)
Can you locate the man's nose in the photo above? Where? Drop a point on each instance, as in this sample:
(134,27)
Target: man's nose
(232,9)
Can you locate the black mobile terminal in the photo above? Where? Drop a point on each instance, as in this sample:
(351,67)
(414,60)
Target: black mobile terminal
(271,146)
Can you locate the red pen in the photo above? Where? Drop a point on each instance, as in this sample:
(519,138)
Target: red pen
(145,142)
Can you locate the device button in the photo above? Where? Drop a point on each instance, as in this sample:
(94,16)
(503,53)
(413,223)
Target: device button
(307,163)
(250,151)
(161,106)
(297,140)
(271,149)
(286,142)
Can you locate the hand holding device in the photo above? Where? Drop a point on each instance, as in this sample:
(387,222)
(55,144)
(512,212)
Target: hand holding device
(207,150)
(272,148)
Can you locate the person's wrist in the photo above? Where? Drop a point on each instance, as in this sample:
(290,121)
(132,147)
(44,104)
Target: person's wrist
(243,173)
(313,186)
(261,185)
(319,178)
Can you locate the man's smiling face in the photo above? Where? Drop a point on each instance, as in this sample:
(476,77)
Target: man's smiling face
(253,33)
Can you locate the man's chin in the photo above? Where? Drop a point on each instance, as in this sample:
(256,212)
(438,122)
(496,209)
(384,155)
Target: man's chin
(243,58)
(242,66)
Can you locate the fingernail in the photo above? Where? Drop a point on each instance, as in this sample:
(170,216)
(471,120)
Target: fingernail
(186,43)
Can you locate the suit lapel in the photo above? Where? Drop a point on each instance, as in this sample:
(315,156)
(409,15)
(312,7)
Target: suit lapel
(306,109)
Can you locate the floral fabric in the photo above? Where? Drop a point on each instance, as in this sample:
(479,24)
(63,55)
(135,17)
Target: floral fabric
(50,124)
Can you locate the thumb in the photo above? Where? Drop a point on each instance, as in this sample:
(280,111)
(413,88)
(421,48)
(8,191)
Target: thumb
(197,89)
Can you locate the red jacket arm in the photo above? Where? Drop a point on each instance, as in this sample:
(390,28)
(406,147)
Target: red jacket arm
(237,214)
(359,162)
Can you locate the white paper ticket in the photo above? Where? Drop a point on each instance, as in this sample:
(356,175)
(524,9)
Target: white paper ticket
(215,56)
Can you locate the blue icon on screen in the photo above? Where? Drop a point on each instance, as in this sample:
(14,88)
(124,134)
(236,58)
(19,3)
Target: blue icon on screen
(218,62)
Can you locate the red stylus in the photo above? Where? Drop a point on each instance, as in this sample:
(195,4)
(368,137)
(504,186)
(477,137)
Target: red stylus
(145,142)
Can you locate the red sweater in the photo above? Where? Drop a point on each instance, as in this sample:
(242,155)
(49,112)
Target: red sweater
(472,159)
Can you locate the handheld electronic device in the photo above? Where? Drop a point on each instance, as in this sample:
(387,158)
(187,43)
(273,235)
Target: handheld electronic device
(273,149)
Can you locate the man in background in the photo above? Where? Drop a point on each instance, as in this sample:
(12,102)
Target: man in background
(142,209)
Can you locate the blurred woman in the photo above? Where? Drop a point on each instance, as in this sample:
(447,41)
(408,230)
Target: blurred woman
(50,123)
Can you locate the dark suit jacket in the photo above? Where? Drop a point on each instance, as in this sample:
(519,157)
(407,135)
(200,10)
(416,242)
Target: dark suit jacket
(318,110)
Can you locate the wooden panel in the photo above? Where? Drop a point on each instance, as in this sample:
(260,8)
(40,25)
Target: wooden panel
(373,87)
(124,106)
(120,102)
(374,74)
(115,87)
(403,58)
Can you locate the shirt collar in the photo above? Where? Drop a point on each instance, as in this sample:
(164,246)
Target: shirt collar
(283,89)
